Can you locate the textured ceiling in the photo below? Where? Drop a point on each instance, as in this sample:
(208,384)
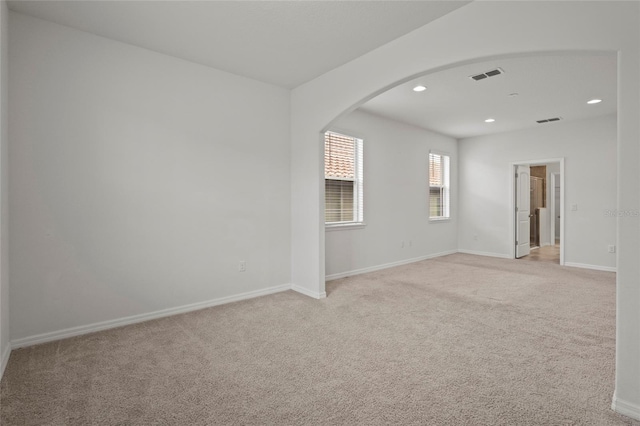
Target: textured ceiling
(546,87)
(285,43)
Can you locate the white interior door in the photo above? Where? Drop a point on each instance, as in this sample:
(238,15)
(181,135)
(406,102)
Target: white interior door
(523,210)
(556,212)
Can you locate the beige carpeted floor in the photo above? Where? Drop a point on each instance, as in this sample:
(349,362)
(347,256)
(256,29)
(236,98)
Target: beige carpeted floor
(458,340)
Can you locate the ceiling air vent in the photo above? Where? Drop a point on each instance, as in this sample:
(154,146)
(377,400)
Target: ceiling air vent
(487,74)
(548,120)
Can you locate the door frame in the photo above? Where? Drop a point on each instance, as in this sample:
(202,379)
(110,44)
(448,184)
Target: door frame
(522,177)
(512,202)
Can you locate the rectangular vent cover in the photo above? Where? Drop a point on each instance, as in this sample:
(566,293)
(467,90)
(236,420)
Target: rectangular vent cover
(487,74)
(549,120)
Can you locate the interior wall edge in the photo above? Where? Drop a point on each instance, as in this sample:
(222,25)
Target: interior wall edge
(625,408)
(484,253)
(134,319)
(360,271)
(593,267)
(4,360)
(309,293)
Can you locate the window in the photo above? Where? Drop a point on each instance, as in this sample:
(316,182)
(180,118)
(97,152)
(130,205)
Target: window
(438,186)
(342,179)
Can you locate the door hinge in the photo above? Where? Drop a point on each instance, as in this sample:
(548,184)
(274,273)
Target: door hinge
(516,176)
(516,242)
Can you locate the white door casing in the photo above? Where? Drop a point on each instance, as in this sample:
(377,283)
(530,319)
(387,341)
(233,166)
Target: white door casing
(523,210)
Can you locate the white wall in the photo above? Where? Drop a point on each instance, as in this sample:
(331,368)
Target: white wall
(587,146)
(395,197)
(138,181)
(483,30)
(553,167)
(4,189)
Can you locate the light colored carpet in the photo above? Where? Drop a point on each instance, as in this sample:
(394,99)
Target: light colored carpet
(450,341)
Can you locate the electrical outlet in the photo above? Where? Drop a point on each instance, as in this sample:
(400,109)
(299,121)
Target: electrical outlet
(574,207)
(242,266)
(611,249)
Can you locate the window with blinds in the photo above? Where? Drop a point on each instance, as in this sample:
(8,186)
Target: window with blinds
(343,179)
(438,186)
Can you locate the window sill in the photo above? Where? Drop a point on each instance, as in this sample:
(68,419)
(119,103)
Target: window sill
(439,219)
(344,226)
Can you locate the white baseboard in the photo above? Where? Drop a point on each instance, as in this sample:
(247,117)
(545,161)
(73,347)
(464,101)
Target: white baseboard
(625,408)
(104,325)
(4,359)
(595,267)
(385,266)
(307,292)
(486,253)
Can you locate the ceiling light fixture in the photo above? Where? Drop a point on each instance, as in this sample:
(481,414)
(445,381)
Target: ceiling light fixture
(594,101)
(489,120)
(419,88)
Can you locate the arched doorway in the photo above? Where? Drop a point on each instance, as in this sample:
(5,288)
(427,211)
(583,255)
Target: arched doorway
(482,30)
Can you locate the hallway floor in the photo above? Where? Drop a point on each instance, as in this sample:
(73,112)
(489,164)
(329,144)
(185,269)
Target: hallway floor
(545,254)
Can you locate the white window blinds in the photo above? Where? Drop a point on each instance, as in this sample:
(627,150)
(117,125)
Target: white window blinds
(343,179)
(438,186)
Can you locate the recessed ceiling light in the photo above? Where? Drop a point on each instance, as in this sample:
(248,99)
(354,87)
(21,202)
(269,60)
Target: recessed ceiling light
(594,101)
(489,120)
(419,88)
(513,95)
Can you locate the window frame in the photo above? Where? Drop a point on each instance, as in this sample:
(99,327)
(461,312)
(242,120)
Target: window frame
(358,192)
(445,188)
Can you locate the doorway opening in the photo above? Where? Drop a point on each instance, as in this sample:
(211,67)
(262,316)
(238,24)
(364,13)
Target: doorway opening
(538,210)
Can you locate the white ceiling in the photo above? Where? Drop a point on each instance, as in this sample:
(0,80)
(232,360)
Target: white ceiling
(548,86)
(285,43)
